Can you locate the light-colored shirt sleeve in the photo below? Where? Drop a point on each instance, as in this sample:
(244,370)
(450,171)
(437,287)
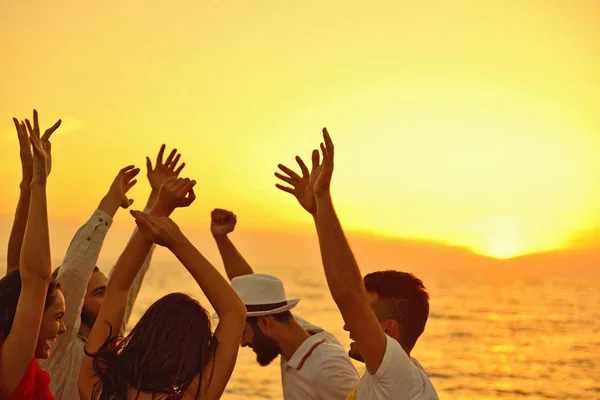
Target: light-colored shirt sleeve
(335,378)
(398,377)
(137,283)
(74,275)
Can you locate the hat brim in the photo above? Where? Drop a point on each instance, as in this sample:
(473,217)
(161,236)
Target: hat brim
(290,304)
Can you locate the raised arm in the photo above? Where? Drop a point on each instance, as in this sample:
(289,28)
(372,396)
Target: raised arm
(227,304)
(341,270)
(174,193)
(82,256)
(36,272)
(17,232)
(157,175)
(222,223)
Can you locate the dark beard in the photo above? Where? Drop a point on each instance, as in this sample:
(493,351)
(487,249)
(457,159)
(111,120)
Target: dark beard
(266,348)
(87,318)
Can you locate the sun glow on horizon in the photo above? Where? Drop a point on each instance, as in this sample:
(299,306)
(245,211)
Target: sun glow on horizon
(448,126)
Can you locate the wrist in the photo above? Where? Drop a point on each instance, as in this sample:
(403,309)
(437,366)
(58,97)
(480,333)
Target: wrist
(220,237)
(108,205)
(37,182)
(179,244)
(25,186)
(152,199)
(161,210)
(323,198)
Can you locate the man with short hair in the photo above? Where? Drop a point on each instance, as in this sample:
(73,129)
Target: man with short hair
(314,365)
(385,313)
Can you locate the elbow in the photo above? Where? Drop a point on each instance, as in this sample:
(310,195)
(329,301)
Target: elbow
(235,314)
(36,275)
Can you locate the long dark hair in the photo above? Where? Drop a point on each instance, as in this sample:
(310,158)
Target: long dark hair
(10,290)
(163,353)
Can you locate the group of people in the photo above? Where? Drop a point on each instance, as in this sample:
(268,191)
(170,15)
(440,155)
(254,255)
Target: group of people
(64,335)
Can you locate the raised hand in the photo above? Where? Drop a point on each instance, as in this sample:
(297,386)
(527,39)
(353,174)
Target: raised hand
(117,194)
(302,186)
(163,170)
(160,230)
(222,222)
(322,182)
(175,193)
(25,152)
(42,142)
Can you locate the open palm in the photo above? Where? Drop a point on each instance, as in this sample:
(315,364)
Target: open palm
(302,186)
(163,170)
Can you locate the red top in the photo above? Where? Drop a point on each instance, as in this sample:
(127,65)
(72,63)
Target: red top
(34,385)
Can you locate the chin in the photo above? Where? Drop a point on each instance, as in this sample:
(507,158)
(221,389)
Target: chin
(42,354)
(355,354)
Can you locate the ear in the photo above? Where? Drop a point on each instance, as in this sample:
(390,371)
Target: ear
(264,323)
(391,328)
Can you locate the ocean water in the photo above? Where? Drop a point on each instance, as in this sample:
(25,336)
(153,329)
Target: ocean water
(489,336)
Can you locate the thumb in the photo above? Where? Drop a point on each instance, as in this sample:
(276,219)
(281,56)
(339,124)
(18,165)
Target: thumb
(148,164)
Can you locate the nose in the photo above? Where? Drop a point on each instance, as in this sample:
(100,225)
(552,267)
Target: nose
(62,328)
(346,328)
(243,342)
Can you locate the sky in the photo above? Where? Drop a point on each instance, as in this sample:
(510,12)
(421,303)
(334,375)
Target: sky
(471,123)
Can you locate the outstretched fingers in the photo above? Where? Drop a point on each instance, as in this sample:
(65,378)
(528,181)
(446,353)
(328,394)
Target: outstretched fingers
(36,122)
(303,167)
(316,159)
(288,171)
(170,157)
(131,173)
(173,163)
(51,130)
(285,189)
(286,179)
(161,152)
(178,170)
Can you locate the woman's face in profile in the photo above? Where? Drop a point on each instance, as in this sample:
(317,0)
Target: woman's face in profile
(52,326)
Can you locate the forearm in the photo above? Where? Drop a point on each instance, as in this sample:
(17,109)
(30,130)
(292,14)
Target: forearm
(17,232)
(217,290)
(129,263)
(35,252)
(152,199)
(341,270)
(137,283)
(75,272)
(234,262)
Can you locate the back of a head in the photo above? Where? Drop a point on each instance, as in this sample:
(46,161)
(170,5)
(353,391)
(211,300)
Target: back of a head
(169,346)
(10,290)
(402,297)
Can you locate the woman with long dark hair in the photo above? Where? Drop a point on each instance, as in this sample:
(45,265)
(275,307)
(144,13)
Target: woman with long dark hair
(172,351)
(31,303)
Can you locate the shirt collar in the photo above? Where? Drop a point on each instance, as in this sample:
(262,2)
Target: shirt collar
(306,349)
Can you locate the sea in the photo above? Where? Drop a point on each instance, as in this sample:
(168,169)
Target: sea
(489,336)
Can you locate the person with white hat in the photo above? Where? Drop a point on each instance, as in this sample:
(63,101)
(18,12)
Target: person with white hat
(314,365)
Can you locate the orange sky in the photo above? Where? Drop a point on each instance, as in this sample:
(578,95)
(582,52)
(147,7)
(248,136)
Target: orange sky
(473,123)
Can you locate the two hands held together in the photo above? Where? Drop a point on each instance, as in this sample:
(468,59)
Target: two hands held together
(157,226)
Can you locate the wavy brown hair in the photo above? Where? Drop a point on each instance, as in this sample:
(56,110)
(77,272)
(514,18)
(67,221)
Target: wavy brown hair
(165,351)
